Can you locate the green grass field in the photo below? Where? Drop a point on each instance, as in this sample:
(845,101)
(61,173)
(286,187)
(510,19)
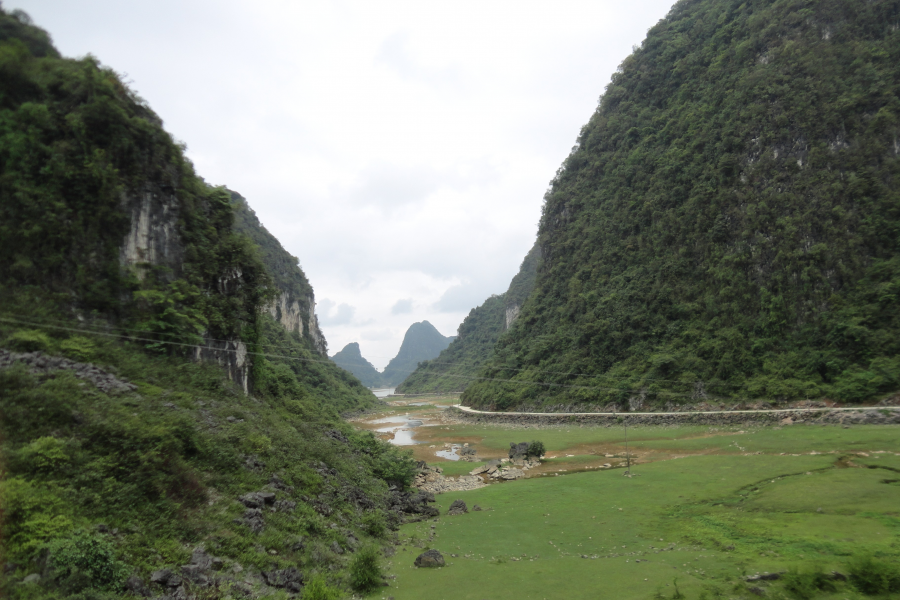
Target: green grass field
(709,507)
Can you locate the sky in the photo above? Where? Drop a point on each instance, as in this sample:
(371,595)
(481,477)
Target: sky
(400,150)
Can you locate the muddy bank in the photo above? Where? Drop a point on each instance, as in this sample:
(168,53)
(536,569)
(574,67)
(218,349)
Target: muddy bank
(829,416)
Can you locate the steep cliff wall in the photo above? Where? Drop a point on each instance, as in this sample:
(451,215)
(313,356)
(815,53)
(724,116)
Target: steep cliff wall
(153,238)
(295,303)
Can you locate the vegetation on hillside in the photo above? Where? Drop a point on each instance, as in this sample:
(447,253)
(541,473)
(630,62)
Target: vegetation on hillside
(101,487)
(421,342)
(457,365)
(726,226)
(351,359)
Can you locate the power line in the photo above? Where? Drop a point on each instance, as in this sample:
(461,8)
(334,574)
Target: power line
(428,363)
(327,361)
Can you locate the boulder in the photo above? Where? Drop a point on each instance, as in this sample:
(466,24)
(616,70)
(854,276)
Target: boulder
(511,474)
(136,586)
(457,508)
(430,559)
(479,470)
(518,450)
(289,578)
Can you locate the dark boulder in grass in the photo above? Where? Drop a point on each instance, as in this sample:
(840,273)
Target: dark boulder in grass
(458,508)
(430,559)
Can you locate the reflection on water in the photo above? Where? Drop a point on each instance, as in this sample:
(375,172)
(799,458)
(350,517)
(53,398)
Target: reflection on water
(383,392)
(401,427)
(449,454)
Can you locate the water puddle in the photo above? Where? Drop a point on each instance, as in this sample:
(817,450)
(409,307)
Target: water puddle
(452,454)
(401,427)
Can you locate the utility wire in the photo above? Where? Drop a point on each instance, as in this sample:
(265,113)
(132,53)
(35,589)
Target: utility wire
(402,370)
(329,361)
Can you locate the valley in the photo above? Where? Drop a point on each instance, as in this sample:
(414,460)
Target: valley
(707,509)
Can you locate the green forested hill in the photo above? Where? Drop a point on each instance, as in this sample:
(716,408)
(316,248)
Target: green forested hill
(457,366)
(154,416)
(351,359)
(728,223)
(421,342)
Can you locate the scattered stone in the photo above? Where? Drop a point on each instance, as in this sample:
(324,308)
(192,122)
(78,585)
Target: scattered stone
(136,586)
(430,559)
(161,577)
(289,578)
(40,363)
(757,590)
(253,519)
(36,578)
(766,577)
(458,507)
(477,508)
(336,548)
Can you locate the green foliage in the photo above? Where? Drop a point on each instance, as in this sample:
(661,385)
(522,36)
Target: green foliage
(421,342)
(44,454)
(33,513)
(535,449)
(808,584)
(78,348)
(726,225)
(457,365)
(365,570)
(318,589)
(28,340)
(84,561)
(373,523)
(873,576)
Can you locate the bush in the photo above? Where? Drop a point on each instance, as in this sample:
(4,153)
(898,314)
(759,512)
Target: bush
(373,523)
(44,454)
(78,348)
(365,572)
(535,449)
(873,576)
(28,340)
(83,561)
(317,589)
(806,585)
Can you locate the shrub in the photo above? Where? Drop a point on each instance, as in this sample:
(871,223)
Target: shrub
(83,561)
(28,340)
(873,576)
(373,523)
(365,572)
(535,449)
(44,454)
(317,589)
(807,584)
(78,348)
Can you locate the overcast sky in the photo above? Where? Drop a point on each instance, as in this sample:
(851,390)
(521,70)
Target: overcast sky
(400,150)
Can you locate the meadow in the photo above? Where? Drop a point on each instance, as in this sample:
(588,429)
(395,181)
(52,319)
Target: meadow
(706,508)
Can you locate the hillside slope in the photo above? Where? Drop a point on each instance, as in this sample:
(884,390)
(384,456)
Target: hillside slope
(161,431)
(421,342)
(351,359)
(726,226)
(457,366)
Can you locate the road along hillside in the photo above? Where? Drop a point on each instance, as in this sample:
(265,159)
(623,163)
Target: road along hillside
(868,415)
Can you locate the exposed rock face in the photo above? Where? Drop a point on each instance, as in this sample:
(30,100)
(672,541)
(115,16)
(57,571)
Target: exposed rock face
(153,237)
(231,355)
(286,310)
(512,312)
(315,333)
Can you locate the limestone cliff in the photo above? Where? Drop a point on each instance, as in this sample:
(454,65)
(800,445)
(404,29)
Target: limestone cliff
(294,305)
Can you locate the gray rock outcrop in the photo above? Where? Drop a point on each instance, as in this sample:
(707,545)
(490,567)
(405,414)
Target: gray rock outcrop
(430,559)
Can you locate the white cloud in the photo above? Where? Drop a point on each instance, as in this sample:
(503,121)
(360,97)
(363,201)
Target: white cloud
(399,149)
(402,307)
